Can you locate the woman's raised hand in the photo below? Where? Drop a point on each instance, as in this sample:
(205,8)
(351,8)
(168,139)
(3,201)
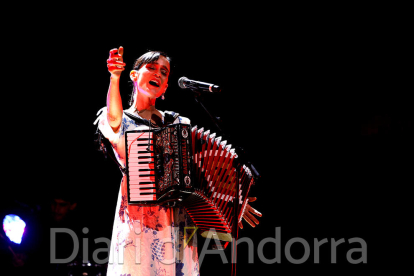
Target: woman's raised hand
(115,62)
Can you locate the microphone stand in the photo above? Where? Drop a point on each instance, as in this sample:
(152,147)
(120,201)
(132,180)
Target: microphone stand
(197,98)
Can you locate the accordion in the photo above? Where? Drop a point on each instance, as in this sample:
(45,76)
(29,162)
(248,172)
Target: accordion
(182,166)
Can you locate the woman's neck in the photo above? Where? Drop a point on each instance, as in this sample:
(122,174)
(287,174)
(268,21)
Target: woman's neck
(145,107)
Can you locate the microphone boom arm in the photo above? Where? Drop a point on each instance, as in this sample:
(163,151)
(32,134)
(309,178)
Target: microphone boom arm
(196,98)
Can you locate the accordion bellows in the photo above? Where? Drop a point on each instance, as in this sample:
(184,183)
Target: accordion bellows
(182,166)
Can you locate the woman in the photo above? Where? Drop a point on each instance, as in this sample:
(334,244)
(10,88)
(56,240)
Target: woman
(148,235)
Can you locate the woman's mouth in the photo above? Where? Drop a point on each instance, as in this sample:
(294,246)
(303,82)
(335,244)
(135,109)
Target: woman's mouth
(154,83)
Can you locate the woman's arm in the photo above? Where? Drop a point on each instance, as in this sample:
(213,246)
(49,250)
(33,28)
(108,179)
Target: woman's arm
(113,100)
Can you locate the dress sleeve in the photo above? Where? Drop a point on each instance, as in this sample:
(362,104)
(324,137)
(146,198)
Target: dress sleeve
(106,129)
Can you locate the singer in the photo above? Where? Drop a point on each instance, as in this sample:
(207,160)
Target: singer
(145,239)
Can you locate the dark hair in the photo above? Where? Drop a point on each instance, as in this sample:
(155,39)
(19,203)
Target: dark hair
(146,58)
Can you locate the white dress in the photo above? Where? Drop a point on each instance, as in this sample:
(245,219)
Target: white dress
(147,240)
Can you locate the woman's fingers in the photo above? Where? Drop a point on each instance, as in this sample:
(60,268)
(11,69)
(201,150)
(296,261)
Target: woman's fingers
(249,216)
(252,218)
(121,51)
(114,68)
(115,62)
(252,199)
(249,221)
(116,57)
(254,211)
(118,53)
(240,225)
(113,52)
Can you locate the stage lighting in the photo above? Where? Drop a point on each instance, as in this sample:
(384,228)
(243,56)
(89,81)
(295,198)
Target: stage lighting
(14,227)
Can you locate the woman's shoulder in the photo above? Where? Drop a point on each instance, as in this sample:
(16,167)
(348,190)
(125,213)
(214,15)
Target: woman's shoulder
(184,120)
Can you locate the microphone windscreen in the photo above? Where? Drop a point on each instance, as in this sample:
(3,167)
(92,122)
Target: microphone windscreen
(181,82)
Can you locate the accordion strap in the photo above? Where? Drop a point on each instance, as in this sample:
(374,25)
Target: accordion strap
(169,118)
(138,120)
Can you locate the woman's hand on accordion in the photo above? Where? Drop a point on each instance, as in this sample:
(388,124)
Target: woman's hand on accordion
(249,214)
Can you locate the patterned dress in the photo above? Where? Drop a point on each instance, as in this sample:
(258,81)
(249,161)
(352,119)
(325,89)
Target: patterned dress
(147,240)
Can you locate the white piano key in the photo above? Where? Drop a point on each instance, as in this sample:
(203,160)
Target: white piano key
(140,186)
(140,160)
(143,198)
(135,166)
(143,178)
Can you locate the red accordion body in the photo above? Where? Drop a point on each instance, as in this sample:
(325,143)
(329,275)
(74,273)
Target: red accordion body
(189,167)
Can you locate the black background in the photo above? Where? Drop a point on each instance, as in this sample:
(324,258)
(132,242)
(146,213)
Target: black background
(317,102)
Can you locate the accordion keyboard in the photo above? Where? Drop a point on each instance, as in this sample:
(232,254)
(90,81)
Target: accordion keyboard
(142,172)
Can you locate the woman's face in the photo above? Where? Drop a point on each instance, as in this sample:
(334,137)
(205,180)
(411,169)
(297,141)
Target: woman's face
(152,78)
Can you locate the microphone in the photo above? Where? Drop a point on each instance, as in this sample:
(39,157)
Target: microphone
(183,82)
